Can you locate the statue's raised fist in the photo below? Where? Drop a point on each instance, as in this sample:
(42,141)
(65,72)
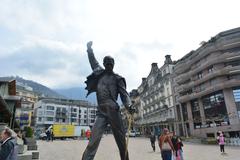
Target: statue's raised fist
(89,45)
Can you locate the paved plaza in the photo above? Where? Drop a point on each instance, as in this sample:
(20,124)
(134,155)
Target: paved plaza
(139,149)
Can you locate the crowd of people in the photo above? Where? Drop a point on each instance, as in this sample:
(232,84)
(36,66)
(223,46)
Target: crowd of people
(170,145)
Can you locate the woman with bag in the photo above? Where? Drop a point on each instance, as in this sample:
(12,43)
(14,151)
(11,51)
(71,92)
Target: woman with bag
(166,145)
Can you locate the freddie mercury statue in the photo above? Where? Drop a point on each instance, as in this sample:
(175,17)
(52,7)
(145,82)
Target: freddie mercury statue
(107,86)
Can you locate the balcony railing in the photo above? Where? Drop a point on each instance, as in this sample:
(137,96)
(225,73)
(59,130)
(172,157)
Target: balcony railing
(216,73)
(223,58)
(218,86)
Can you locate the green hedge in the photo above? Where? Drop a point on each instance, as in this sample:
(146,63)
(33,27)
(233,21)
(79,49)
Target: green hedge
(29,132)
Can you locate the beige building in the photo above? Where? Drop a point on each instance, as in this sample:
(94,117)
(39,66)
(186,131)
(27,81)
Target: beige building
(154,100)
(207,88)
(24,115)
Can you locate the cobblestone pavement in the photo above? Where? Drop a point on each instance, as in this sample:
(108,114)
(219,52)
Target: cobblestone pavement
(139,149)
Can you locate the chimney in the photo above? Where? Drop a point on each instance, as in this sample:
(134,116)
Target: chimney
(168,59)
(143,80)
(154,66)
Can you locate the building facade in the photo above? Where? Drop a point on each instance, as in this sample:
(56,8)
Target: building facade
(49,111)
(155,100)
(9,102)
(207,88)
(24,115)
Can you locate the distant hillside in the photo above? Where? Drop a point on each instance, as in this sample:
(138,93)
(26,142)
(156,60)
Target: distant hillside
(39,88)
(77,93)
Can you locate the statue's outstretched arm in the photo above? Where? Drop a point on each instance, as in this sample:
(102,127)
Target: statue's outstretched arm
(92,60)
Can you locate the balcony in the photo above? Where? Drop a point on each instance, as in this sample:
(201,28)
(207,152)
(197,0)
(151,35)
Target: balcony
(222,42)
(218,86)
(222,72)
(226,57)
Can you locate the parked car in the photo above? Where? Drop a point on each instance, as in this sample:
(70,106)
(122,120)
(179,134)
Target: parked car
(43,136)
(131,133)
(138,133)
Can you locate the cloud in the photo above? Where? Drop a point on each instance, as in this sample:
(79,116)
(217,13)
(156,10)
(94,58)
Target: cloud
(51,63)
(46,40)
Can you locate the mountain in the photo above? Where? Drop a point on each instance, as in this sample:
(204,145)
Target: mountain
(77,93)
(38,88)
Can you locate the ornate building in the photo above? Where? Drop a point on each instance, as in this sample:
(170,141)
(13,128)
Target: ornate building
(154,101)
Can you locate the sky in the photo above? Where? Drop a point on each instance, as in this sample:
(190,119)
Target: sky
(45,40)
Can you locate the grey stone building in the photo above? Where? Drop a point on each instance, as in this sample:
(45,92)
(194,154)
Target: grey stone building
(207,87)
(154,101)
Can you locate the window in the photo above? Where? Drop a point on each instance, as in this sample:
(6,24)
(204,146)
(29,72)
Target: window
(210,69)
(202,87)
(74,120)
(50,107)
(74,115)
(50,113)
(184,111)
(164,71)
(236,93)
(39,119)
(215,109)
(74,109)
(169,101)
(40,113)
(197,122)
(49,118)
(200,75)
(212,82)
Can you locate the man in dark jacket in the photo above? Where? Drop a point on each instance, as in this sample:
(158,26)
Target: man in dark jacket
(152,140)
(107,86)
(7,151)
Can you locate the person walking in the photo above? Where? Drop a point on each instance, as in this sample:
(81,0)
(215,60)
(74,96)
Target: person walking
(165,145)
(107,85)
(153,140)
(179,151)
(8,149)
(48,133)
(221,141)
(88,134)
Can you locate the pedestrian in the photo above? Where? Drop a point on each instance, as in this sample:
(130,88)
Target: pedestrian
(52,134)
(152,140)
(166,146)
(8,149)
(108,86)
(88,134)
(221,141)
(179,151)
(48,133)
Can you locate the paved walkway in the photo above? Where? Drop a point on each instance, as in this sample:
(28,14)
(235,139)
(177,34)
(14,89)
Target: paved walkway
(139,149)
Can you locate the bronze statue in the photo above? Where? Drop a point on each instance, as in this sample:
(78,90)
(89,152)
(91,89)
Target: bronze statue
(107,86)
